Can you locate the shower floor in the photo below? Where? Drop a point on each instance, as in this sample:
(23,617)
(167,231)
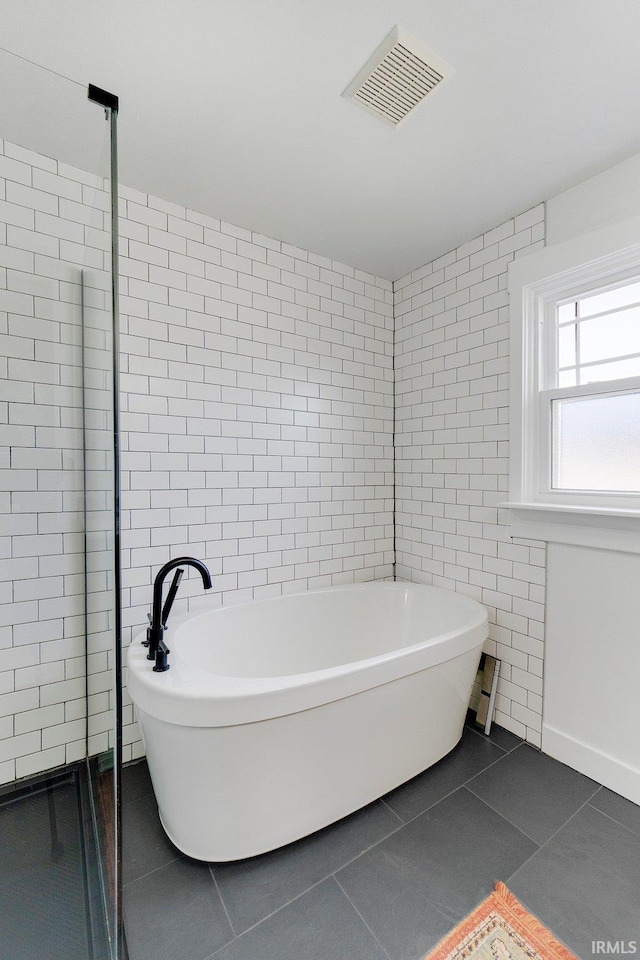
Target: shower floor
(389,881)
(50,895)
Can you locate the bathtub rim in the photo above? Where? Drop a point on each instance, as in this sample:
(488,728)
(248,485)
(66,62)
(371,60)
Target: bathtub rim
(191,697)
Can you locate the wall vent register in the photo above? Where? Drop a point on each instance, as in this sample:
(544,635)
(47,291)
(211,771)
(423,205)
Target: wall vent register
(398,77)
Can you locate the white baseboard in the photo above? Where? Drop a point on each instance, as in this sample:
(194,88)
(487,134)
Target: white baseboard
(619,776)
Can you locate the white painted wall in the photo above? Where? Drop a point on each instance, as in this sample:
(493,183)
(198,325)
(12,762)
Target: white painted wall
(605,198)
(593,634)
(592,664)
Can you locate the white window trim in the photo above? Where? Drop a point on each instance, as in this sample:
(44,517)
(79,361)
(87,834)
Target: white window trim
(610,254)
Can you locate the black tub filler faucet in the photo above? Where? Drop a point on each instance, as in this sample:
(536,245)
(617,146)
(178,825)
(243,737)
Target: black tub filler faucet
(159,614)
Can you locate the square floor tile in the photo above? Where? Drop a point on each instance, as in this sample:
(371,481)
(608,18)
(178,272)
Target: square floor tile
(251,889)
(320,925)
(175,912)
(472,754)
(415,885)
(533,791)
(585,882)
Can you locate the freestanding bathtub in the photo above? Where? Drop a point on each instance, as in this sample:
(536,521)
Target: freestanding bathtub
(280,716)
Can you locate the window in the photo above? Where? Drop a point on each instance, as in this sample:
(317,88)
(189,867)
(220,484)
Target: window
(590,395)
(575,390)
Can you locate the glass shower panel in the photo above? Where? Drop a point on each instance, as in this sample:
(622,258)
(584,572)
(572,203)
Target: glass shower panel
(100,485)
(58,705)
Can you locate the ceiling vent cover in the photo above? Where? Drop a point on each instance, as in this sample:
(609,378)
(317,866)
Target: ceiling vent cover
(398,77)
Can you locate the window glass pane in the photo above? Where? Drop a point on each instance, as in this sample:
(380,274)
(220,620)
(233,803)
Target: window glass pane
(614,336)
(567,346)
(567,378)
(567,312)
(617,370)
(609,299)
(596,443)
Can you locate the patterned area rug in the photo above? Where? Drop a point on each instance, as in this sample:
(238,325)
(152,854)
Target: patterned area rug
(500,929)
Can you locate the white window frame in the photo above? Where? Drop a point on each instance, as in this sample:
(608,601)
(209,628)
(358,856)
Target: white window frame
(537,282)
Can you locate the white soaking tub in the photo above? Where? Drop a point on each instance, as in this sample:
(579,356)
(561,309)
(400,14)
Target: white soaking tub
(280,716)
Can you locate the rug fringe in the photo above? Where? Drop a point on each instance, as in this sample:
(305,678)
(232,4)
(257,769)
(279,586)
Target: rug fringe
(509,908)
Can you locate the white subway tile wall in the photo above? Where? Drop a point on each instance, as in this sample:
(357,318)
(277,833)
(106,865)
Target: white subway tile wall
(452,454)
(257,434)
(257,417)
(52,259)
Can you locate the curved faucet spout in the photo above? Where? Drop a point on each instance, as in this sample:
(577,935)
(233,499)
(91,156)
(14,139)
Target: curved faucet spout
(158,614)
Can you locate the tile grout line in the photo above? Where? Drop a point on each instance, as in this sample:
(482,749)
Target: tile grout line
(353,906)
(464,786)
(273,913)
(555,833)
(503,817)
(224,906)
(455,789)
(155,870)
(391,810)
(613,819)
(327,876)
(330,876)
(487,738)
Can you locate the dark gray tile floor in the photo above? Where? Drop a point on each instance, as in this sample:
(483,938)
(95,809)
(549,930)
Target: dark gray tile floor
(389,881)
(48,886)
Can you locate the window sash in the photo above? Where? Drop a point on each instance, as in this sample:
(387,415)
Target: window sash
(578,325)
(545,489)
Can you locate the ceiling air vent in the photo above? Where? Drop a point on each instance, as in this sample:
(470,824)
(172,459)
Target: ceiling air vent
(398,77)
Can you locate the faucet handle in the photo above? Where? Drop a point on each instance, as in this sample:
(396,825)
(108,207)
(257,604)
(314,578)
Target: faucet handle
(145,643)
(171,595)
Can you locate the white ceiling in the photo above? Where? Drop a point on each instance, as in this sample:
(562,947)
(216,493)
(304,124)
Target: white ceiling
(234,108)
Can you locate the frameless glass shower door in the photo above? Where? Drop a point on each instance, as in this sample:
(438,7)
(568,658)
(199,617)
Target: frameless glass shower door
(59,588)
